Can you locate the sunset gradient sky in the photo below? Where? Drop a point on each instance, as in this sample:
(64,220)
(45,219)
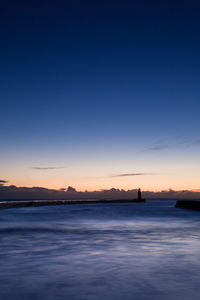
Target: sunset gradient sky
(100,94)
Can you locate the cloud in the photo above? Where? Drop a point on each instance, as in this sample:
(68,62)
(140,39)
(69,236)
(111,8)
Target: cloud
(3,181)
(189,143)
(70,189)
(47,168)
(132,174)
(196,142)
(156,148)
(173,144)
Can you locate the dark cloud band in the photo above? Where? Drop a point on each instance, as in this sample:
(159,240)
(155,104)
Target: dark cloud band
(132,174)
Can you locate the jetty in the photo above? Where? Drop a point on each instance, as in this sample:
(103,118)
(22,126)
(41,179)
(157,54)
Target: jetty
(188,204)
(33,203)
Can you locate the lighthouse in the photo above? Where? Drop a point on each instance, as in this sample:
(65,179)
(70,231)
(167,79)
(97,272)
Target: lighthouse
(139,197)
(139,194)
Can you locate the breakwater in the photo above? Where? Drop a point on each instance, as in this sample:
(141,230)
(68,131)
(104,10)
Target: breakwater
(33,203)
(188,204)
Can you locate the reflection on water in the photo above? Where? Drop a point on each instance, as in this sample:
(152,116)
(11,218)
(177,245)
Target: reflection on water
(115,251)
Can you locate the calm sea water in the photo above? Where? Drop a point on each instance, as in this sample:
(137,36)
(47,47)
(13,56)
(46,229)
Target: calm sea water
(116,251)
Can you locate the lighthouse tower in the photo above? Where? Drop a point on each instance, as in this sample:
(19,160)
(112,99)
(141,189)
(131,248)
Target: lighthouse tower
(139,194)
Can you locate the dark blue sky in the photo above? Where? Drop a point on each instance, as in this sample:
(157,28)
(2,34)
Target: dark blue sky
(98,79)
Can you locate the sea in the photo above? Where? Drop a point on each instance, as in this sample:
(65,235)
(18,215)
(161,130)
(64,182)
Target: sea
(135,251)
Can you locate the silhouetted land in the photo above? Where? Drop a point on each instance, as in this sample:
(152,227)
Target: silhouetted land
(11,192)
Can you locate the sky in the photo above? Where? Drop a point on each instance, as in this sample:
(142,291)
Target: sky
(100,94)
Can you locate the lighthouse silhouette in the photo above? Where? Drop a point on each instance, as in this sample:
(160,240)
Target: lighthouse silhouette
(139,194)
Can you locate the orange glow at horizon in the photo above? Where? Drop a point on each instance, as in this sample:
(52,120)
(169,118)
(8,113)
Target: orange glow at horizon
(148,173)
(154,184)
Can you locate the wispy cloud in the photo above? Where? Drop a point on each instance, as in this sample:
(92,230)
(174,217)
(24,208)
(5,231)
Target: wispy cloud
(156,148)
(188,143)
(132,174)
(196,142)
(47,168)
(181,144)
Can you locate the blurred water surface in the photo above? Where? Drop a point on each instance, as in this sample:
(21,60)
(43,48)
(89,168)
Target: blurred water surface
(116,251)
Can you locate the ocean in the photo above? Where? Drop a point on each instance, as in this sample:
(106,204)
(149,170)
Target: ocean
(135,251)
